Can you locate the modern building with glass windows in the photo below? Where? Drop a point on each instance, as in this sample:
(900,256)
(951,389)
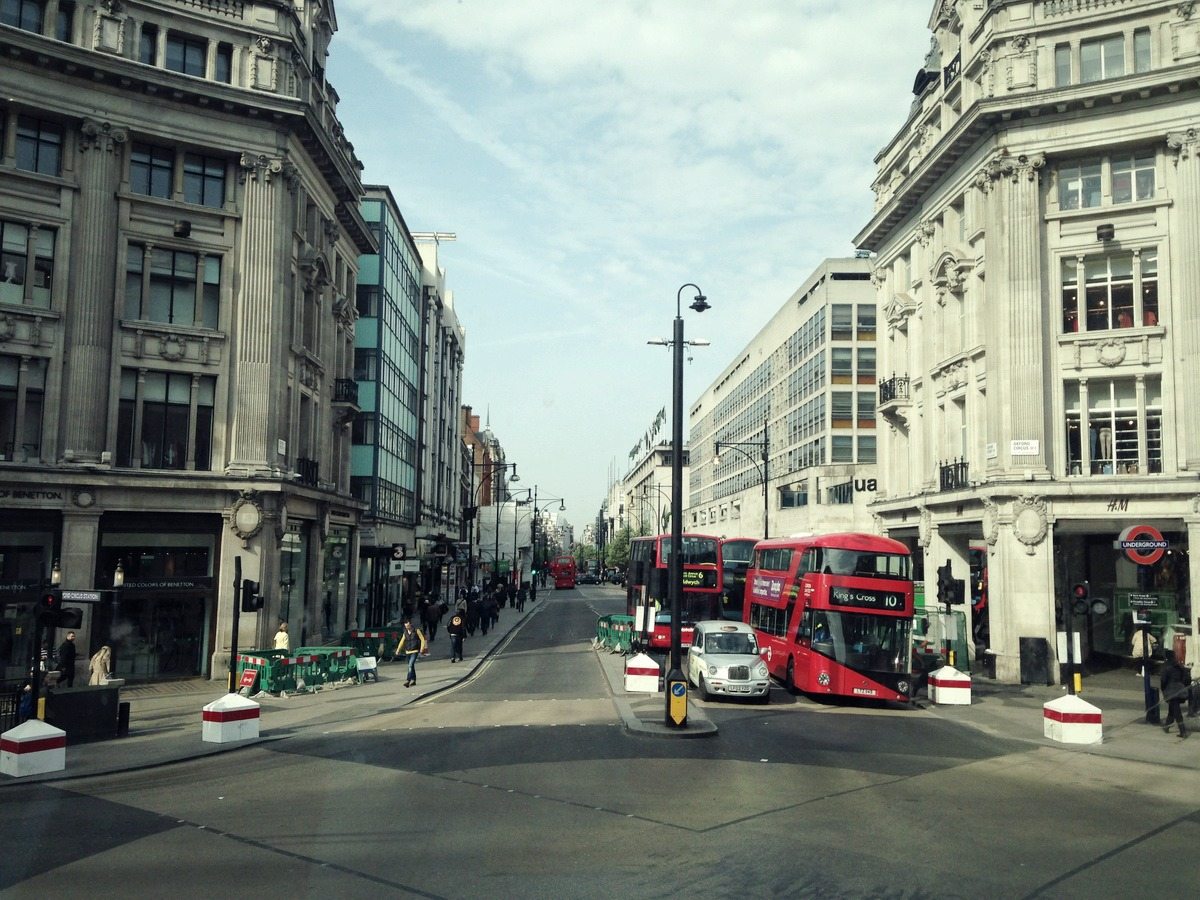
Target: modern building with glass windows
(1037,231)
(386,432)
(179,244)
(802,395)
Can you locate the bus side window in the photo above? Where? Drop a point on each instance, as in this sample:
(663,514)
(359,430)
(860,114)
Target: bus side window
(809,562)
(804,633)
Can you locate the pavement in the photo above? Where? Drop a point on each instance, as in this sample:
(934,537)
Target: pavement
(165,718)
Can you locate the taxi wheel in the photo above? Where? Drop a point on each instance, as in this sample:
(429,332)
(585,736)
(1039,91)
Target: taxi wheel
(703,688)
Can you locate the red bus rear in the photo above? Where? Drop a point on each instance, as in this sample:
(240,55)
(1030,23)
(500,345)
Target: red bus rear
(833,614)
(735,555)
(563,571)
(646,587)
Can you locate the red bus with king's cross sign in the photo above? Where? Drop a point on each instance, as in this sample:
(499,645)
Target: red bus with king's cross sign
(833,614)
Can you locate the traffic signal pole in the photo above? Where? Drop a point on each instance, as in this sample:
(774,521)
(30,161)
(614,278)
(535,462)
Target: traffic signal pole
(237,609)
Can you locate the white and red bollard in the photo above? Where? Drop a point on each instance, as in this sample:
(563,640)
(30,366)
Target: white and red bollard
(950,687)
(232,718)
(641,674)
(1072,720)
(33,748)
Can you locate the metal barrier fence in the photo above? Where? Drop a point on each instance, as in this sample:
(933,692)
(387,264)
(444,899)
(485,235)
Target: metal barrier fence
(614,634)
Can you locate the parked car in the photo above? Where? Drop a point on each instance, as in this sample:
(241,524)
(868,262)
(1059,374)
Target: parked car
(588,578)
(724,660)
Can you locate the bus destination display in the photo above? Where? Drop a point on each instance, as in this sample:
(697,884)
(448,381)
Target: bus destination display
(840,595)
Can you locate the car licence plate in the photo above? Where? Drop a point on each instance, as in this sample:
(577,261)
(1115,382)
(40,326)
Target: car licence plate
(740,688)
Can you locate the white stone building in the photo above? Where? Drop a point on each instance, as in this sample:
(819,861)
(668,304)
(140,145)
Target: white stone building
(807,384)
(1037,228)
(180,223)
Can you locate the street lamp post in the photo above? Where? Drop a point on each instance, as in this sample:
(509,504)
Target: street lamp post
(676,684)
(495,470)
(764,472)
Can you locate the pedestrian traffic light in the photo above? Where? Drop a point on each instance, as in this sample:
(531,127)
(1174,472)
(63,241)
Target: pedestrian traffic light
(47,607)
(1079,598)
(252,600)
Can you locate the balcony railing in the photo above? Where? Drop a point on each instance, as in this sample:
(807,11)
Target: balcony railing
(952,476)
(345,390)
(951,72)
(307,471)
(894,388)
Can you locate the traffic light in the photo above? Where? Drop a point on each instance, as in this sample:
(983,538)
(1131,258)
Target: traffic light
(945,584)
(48,607)
(252,600)
(1079,597)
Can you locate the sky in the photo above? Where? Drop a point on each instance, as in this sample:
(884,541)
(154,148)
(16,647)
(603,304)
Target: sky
(594,156)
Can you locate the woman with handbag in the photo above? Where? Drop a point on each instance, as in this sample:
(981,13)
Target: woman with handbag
(412,645)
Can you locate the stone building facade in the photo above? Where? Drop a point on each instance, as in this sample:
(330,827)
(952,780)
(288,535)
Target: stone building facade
(1037,241)
(181,230)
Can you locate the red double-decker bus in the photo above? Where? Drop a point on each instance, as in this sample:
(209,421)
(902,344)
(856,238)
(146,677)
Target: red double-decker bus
(833,614)
(735,555)
(646,587)
(563,571)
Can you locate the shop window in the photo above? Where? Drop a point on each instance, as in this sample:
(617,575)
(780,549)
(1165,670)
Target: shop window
(1104,438)
(19,257)
(1108,298)
(21,429)
(39,146)
(1149,280)
(168,433)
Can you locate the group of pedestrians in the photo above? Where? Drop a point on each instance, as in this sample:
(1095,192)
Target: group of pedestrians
(478,609)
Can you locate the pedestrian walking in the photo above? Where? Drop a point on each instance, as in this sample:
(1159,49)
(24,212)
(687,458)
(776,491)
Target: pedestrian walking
(432,618)
(473,607)
(100,666)
(533,591)
(457,629)
(1174,683)
(67,654)
(511,592)
(412,645)
(282,640)
(1142,644)
(522,596)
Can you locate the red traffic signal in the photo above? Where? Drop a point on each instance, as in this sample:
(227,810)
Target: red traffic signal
(1080,590)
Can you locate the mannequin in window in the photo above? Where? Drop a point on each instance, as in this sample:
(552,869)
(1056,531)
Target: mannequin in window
(1106,448)
(1124,319)
(1150,317)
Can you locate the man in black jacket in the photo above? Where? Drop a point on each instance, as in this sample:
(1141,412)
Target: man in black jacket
(1174,683)
(66,659)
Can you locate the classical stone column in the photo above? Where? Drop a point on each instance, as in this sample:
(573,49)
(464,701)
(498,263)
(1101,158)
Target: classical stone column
(1020,582)
(1185,259)
(1015,318)
(90,308)
(258,327)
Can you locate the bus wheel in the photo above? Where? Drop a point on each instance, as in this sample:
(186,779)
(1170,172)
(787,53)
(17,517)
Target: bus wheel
(790,683)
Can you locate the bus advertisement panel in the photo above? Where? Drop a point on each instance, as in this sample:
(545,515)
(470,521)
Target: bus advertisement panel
(735,555)
(563,571)
(833,614)
(647,589)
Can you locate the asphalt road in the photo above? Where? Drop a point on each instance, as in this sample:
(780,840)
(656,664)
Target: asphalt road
(522,783)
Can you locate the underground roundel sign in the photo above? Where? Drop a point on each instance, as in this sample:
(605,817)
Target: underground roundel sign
(1143,544)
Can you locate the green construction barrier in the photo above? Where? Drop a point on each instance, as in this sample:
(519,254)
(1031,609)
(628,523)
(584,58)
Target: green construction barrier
(380,642)
(275,672)
(324,665)
(614,633)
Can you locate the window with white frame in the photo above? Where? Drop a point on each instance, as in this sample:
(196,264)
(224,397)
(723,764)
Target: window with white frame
(172,286)
(1132,177)
(1117,290)
(26,264)
(1079,184)
(1114,426)
(1102,58)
